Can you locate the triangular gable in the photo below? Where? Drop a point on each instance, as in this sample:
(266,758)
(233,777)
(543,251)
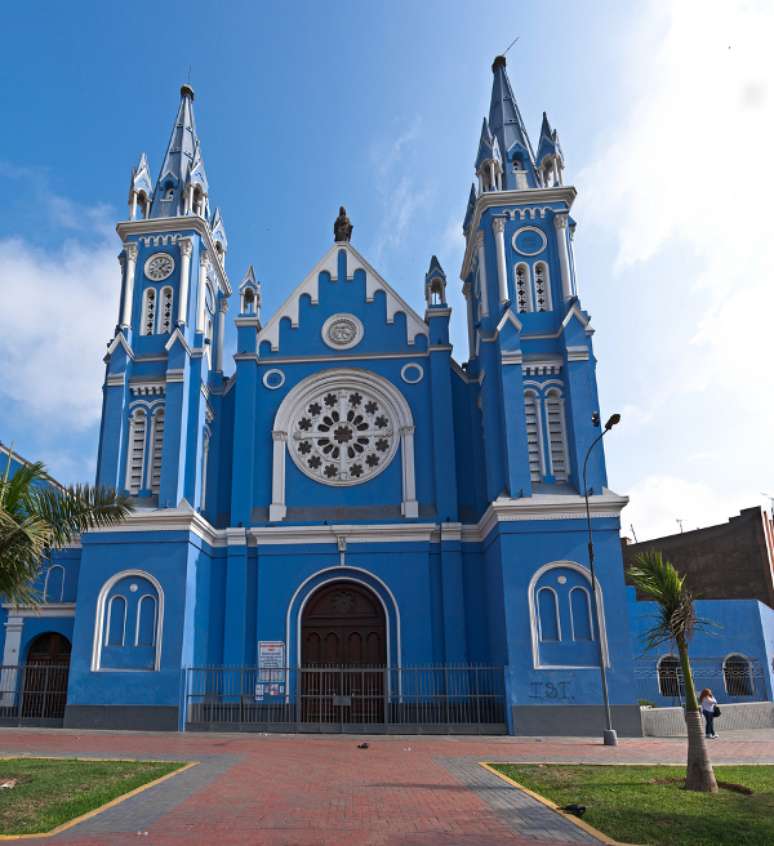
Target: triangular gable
(310,286)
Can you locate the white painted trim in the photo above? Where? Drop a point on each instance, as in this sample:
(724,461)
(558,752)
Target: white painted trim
(533,617)
(99,617)
(45,583)
(265,379)
(544,240)
(137,621)
(63,609)
(353,341)
(658,674)
(412,365)
(482,277)
(749,672)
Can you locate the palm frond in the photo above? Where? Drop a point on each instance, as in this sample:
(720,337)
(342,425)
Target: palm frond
(657,580)
(77,509)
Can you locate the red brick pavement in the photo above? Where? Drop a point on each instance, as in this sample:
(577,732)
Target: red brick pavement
(302,790)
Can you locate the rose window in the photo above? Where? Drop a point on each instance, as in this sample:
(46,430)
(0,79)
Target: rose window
(343,436)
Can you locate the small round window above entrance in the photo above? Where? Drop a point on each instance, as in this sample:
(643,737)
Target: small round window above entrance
(343,434)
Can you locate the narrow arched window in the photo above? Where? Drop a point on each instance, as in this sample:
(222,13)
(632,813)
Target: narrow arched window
(534,436)
(53,590)
(145,630)
(148,318)
(157,449)
(580,609)
(115,630)
(135,459)
(737,675)
(542,287)
(548,615)
(169,192)
(669,677)
(205,462)
(557,435)
(523,294)
(166,297)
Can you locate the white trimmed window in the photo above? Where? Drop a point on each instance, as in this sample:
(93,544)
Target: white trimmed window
(542,286)
(534,436)
(157,447)
(53,589)
(166,298)
(557,435)
(135,459)
(148,320)
(523,293)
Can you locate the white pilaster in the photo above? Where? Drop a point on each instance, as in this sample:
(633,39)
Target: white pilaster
(482,273)
(186,248)
(222,309)
(471,322)
(133,206)
(498,225)
(277,509)
(204,266)
(409,506)
(8,678)
(560,224)
(130,266)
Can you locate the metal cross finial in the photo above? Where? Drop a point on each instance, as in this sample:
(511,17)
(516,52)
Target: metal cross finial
(511,44)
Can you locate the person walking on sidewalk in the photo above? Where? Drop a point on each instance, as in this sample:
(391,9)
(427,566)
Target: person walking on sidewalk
(709,707)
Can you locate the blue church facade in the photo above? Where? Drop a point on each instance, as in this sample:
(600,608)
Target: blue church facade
(350,494)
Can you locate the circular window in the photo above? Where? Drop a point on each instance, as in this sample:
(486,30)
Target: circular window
(412,373)
(342,331)
(159,266)
(343,436)
(273,379)
(529,241)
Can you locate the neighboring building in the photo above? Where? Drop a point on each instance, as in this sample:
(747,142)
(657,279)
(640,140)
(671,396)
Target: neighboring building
(732,652)
(351,495)
(734,560)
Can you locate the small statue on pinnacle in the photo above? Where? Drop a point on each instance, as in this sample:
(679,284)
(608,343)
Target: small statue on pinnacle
(342,228)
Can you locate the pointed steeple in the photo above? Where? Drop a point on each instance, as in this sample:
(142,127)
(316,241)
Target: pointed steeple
(484,145)
(182,167)
(550,158)
(435,284)
(250,294)
(218,231)
(140,189)
(506,125)
(472,197)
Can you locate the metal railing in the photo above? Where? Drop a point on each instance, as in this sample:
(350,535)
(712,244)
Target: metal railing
(33,693)
(434,699)
(737,680)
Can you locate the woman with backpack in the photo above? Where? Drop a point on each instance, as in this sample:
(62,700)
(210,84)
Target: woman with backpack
(709,707)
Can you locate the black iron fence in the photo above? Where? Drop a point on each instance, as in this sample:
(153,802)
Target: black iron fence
(34,694)
(445,699)
(734,677)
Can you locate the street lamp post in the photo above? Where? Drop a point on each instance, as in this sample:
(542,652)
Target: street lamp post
(609,736)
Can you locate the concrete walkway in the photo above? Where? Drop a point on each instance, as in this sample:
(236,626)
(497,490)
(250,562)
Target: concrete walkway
(301,790)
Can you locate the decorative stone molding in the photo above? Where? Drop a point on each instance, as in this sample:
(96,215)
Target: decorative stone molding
(498,225)
(541,368)
(560,224)
(148,389)
(482,277)
(186,249)
(342,331)
(129,265)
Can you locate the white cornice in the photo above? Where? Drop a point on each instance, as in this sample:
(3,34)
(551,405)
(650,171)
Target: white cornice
(168,224)
(46,609)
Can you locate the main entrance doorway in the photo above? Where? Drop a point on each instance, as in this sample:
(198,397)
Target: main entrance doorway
(44,689)
(343,657)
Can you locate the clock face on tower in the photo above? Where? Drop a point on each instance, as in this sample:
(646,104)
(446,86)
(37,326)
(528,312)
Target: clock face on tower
(159,266)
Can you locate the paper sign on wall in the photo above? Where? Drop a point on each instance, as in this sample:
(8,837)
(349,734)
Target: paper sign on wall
(271,668)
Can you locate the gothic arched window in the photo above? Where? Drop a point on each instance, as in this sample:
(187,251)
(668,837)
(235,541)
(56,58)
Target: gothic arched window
(157,449)
(165,310)
(53,589)
(548,615)
(534,436)
(148,317)
(135,459)
(523,293)
(580,614)
(557,434)
(737,675)
(669,677)
(542,287)
(130,615)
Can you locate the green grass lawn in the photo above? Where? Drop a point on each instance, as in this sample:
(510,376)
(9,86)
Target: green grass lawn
(647,805)
(51,791)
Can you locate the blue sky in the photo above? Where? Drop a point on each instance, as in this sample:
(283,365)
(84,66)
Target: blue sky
(660,109)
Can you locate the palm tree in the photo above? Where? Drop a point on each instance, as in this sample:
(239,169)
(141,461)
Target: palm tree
(658,581)
(37,515)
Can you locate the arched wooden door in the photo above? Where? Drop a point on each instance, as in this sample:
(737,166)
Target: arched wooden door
(343,656)
(45,677)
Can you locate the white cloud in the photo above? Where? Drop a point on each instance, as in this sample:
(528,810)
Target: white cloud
(59,309)
(682,181)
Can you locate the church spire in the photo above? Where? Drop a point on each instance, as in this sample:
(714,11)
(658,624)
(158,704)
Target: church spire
(550,158)
(182,186)
(508,128)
